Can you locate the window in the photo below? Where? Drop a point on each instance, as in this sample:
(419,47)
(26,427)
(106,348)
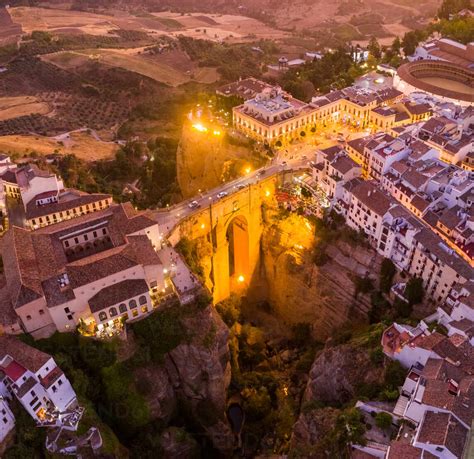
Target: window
(66,243)
(104,231)
(132,304)
(76,240)
(28,317)
(86,237)
(55,389)
(142,300)
(34,401)
(102,316)
(135,313)
(60,383)
(41,312)
(123,308)
(144,309)
(67,310)
(33,393)
(112,312)
(69,317)
(95,233)
(5,420)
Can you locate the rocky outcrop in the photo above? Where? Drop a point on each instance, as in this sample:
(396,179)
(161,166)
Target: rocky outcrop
(204,161)
(196,373)
(313,425)
(300,291)
(178,443)
(199,372)
(159,392)
(337,373)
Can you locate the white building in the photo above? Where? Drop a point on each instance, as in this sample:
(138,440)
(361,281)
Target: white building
(7,419)
(38,383)
(53,273)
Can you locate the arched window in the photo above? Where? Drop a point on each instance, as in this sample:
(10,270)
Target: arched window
(132,304)
(113,312)
(142,300)
(123,308)
(102,316)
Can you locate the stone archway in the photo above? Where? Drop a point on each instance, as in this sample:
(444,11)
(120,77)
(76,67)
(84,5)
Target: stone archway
(237,235)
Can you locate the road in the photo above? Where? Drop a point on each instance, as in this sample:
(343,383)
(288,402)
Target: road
(292,158)
(168,219)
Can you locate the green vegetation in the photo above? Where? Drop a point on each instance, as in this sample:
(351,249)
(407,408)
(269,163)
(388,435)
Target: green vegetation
(167,325)
(459,28)
(83,361)
(232,61)
(383,420)
(334,71)
(153,166)
(350,428)
(189,250)
(414,291)
(332,228)
(29,440)
(450,7)
(387,272)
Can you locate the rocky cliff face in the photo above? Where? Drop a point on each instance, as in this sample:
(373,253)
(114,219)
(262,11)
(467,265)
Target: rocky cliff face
(204,161)
(196,374)
(300,291)
(335,376)
(338,371)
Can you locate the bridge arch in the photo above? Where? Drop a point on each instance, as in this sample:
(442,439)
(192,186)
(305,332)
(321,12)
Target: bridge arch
(237,236)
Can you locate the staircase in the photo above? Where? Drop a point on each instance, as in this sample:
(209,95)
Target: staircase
(401,405)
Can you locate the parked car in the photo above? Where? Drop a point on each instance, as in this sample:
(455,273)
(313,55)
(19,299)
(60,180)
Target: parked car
(241,186)
(194,205)
(222,194)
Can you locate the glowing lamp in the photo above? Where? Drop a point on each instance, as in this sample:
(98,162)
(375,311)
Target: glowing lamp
(199,127)
(203,225)
(241,278)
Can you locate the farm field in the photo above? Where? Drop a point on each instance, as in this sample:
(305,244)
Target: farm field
(212,27)
(47,19)
(12,107)
(9,30)
(129,59)
(81,144)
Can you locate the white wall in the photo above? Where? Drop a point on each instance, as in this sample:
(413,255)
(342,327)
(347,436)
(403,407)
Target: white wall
(7,420)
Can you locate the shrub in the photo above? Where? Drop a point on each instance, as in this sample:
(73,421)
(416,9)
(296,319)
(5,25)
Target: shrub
(383,420)
(394,375)
(161,332)
(377,356)
(387,271)
(414,291)
(229,310)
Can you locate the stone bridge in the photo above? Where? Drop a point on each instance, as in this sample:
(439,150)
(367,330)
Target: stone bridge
(233,227)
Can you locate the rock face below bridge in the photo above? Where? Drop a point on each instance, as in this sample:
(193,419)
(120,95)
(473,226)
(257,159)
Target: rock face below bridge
(204,161)
(300,291)
(194,378)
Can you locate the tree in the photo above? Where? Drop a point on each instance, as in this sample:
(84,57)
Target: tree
(449,7)
(374,48)
(387,271)
(410,41)
(396,45)
(414,291)
(394,375)
(383,420)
